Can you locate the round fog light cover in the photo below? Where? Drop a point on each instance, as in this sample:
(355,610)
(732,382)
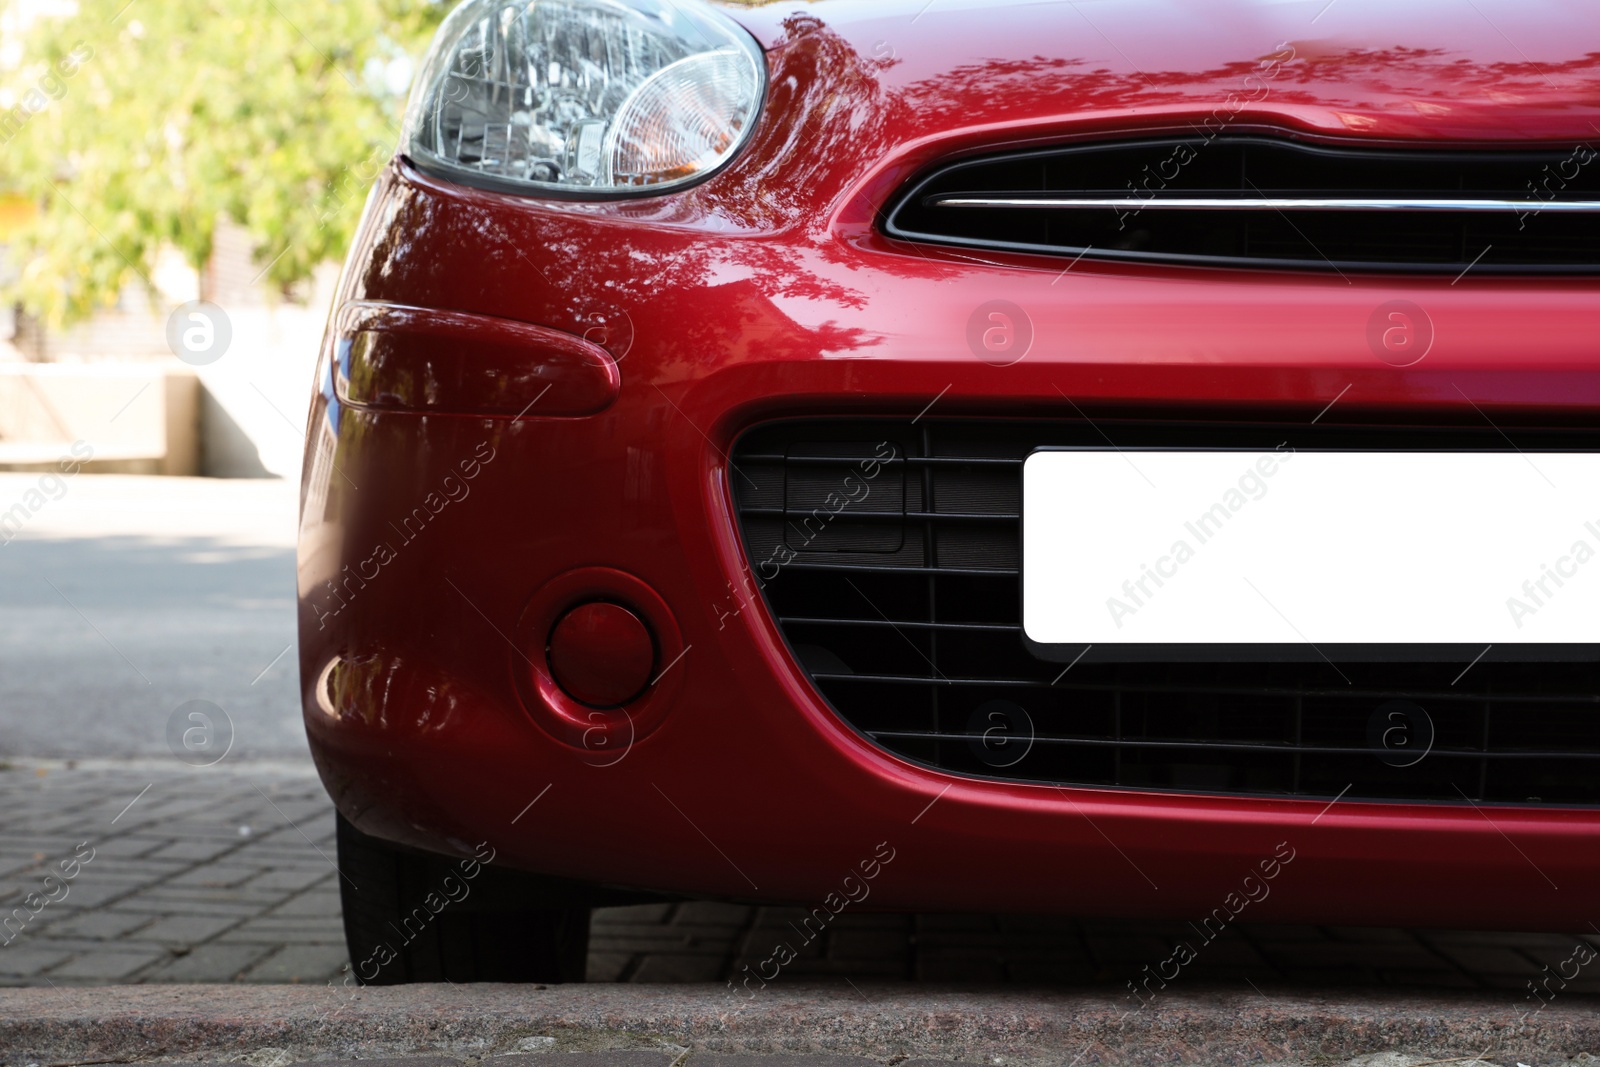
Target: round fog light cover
(601,654)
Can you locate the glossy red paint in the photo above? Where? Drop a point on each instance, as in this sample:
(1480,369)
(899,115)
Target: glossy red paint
(604,735)
(766,292)
(602,654)
(422,359)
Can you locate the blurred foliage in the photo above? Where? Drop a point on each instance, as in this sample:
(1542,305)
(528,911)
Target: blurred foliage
(139,125)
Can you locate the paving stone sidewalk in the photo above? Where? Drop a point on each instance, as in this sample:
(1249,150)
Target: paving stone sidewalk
(197,874)
(832,1025)
(225,874)
(641,1058)
(631,1058)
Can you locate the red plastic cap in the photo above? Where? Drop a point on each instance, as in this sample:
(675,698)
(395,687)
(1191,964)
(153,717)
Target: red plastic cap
(602,654)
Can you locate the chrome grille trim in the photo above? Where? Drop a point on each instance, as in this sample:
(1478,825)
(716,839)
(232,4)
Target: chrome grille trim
(1270,203)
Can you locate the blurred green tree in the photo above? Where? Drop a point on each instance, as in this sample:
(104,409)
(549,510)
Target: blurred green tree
(135,125)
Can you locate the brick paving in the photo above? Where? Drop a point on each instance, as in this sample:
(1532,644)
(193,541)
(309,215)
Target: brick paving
(198,874)
(641,1058)
(225,874)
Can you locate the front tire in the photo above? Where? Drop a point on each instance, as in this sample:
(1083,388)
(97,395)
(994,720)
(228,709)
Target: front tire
(414,917)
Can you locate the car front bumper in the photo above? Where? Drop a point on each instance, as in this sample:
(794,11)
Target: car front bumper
(741,782)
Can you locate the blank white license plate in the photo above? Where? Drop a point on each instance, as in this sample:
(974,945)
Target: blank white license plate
(1180,547)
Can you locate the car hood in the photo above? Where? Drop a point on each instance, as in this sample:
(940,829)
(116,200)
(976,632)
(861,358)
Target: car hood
(1448,70)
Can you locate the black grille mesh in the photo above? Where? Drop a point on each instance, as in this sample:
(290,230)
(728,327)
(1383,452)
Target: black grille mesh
(895,581)
(1531,240)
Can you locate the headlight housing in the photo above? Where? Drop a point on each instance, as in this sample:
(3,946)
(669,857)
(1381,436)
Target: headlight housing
(584,98)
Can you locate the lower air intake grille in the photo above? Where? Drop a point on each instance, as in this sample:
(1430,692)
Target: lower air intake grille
(888,553)
(1271,203)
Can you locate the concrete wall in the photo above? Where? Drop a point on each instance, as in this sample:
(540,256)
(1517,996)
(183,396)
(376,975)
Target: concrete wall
(257,395)
(242,416)
(126,417)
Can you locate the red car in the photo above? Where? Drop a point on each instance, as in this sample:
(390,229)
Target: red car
(1120,459)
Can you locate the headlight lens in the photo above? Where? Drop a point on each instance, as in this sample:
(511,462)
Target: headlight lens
(591,98)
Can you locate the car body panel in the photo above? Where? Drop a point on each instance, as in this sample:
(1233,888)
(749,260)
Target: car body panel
(1433,70)
(766,292)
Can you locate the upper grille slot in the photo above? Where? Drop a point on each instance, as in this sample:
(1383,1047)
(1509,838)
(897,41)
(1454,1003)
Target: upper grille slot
(1271,203)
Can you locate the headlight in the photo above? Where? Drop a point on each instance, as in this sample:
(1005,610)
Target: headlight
(589,98)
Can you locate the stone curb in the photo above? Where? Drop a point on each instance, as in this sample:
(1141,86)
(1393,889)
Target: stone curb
(274,1025)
